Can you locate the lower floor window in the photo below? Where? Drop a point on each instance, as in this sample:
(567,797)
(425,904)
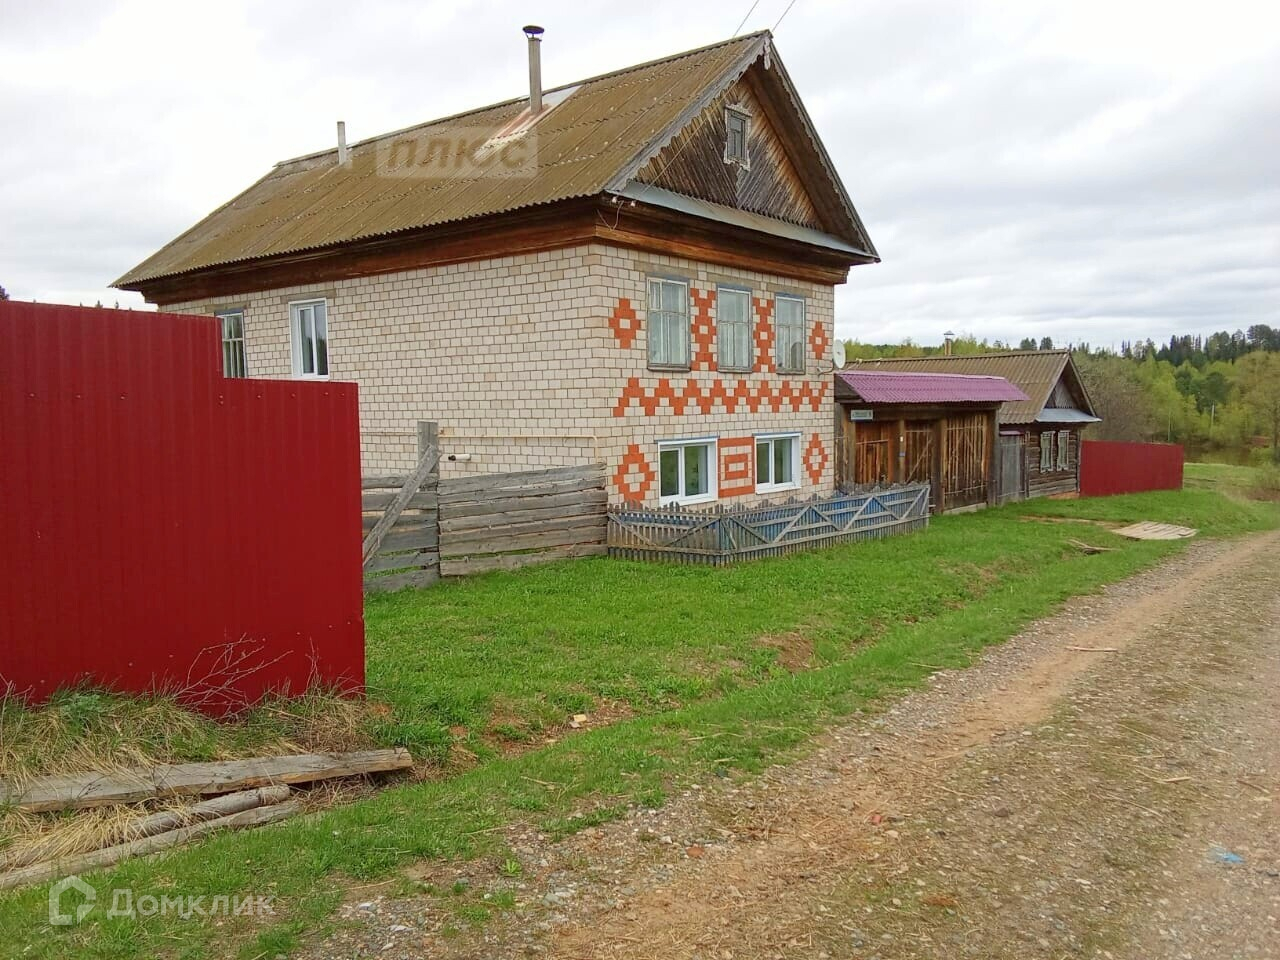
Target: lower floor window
(1064,449)
(777,461)
(1046,451)
(686,471)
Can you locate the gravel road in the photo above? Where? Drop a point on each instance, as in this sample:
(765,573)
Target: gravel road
(1106,784)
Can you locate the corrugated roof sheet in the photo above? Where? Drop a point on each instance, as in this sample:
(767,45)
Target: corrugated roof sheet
(884,387)
(1034,372)
(582,143)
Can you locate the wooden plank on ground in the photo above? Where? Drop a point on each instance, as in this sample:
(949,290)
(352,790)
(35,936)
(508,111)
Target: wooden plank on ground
(1150,530)
(40,872)
(513,561)
(78,791)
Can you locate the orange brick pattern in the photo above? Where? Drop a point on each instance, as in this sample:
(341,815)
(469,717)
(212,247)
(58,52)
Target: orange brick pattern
(737,466)
(692,396)
(703,329)
(624,322)
(815,458)
(818,341)
(634,461)
(764,335)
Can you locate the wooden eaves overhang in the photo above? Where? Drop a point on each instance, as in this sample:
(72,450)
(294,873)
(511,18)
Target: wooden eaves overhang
(644,224)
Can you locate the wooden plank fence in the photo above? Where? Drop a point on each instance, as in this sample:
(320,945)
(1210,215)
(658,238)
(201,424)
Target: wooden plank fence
(506,520)
(400,515)
(720,534)
(419,527)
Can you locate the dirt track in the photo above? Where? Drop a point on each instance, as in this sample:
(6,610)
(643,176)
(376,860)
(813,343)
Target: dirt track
(1049,802)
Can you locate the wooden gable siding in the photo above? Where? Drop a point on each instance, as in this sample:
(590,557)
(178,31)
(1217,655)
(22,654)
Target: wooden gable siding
(693,163)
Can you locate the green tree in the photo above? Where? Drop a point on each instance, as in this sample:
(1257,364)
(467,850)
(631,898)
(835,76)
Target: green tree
(1027,343)
(1259,383)
(4,295)
(1046,343)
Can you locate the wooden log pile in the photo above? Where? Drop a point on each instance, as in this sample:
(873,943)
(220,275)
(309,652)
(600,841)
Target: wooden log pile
(244,793)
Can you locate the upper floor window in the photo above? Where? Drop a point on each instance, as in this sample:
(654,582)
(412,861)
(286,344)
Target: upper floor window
(733,323)
(668,321)
(308,320)
(233,356)
(737,124)
(789,312)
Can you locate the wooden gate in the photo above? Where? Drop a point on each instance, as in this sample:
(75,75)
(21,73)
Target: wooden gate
(965,461)
(1012,468)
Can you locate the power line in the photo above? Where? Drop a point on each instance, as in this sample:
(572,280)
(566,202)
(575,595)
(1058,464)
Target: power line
(746,18)
(784,15)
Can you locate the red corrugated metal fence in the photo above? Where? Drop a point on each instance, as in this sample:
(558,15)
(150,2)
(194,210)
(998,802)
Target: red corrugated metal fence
(164,526)
(1108,467)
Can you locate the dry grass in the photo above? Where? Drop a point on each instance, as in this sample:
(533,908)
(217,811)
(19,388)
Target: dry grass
(90,730)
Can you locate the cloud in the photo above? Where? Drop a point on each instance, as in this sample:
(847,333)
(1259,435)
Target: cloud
(1097,171)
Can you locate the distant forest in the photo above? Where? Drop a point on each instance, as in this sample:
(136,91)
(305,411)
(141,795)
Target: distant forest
(1217,395)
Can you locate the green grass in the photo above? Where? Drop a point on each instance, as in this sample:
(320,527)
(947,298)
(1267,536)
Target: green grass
(676,652)
(1255,482)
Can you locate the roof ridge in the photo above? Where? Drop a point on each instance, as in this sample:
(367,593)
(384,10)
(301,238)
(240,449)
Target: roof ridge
(514,100)
(969,356)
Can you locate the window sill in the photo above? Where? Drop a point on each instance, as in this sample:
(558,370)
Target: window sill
(310,376)
(687,501)
(776,487)
(669,368)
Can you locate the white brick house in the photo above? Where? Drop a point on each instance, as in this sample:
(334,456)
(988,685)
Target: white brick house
(648,284)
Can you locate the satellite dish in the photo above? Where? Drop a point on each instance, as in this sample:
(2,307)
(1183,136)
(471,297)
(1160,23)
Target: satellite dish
(837,354)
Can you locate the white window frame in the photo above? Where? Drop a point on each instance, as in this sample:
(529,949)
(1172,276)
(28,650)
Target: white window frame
(233,342)
(722,325)
(650,312)
(780,348)
(1046,451)
(771,438)
(295,338)
(713,471)
(732,113)
(1064,449)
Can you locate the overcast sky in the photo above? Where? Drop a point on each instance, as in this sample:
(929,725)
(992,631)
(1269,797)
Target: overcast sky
(1087,170)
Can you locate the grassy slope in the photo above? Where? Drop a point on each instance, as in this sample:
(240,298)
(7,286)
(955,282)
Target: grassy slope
(679,645)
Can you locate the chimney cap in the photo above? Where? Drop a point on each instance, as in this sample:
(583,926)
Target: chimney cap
(948,334)
(533,31)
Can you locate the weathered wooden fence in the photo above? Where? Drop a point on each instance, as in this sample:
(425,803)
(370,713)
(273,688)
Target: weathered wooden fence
(502,521)
(721,534)
(419,527)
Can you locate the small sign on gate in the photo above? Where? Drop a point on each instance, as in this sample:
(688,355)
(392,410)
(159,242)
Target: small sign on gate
(858,415)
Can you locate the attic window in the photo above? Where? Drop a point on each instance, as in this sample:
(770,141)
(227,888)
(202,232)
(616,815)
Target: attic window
(737,124)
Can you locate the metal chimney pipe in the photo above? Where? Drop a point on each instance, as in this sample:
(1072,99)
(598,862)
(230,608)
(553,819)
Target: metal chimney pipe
(534,33)
(948,343)
(343,154)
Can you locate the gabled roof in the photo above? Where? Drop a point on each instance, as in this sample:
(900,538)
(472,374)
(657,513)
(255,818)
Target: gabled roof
(875,386)
(591,137)
(1034,372)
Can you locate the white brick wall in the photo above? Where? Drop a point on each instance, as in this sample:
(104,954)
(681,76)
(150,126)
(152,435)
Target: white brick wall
(516,358)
